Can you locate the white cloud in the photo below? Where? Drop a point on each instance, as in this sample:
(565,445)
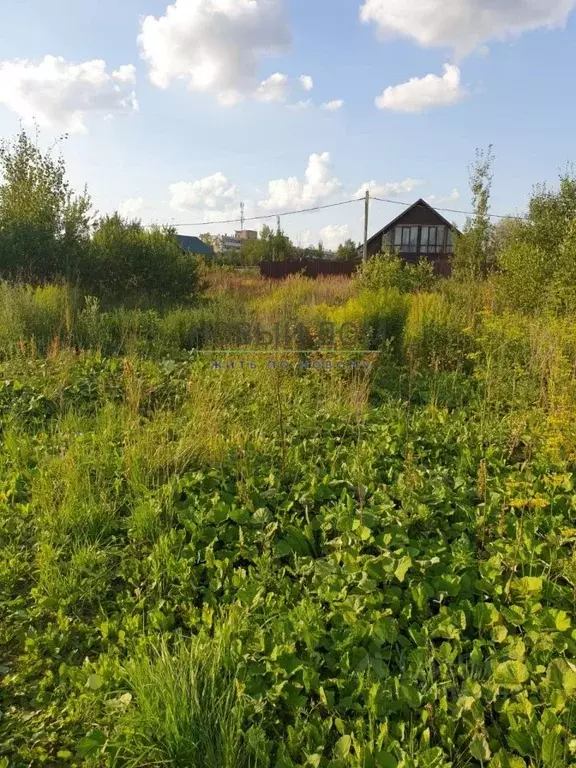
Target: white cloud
(331,237)
(216,45)
(125,74)
(275,88)
(332,106)
(451,198)
(301,104)
(56,93)
(463,24)
(211,193)
(306,82)
(389,189)
(132,208)
(319,185)
(334,235)
(419,94)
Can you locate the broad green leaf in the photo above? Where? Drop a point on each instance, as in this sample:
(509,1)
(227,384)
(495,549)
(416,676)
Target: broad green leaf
(386,760)
(94,682)
(479,748)
(553,748)
(561,674)
(402,568)
(91,744)
(343,746)
(504,760)
(411,695)
(528,586)
(510,674)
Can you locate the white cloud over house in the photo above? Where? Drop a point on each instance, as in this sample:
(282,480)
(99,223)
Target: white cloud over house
(389,188)
(318,185)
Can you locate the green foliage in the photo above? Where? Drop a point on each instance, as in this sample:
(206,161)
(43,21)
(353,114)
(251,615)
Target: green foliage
(538,262)
(44,226)
(47,233)
(193,572)
(188,709)
(474,249)
(270,246)
(390,271)
(131,264)
(347,251)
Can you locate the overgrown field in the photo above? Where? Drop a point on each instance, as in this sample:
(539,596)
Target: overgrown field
(287,567)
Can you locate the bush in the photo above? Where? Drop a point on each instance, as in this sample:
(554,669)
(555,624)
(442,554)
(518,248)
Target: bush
(44,227)
(436,335)
(390,271)
(132,265)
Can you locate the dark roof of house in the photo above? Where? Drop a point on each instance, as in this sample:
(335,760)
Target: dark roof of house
(421,203)
(191,244)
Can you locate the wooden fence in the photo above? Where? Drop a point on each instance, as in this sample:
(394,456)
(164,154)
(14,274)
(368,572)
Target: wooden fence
(278,270)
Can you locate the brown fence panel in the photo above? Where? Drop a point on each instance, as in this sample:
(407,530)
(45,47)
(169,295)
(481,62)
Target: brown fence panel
(278,270)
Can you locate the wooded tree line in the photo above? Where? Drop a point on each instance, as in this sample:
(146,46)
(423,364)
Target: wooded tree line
(48,232)
(275,245)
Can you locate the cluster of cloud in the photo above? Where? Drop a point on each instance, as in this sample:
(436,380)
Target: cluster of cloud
(318,185)
(55,93)
(331,237)
(420,94)
(463,24)
(453,197)
(389,189)
(215,197)
(132,208)
(214,45)
(210,194)
(220,46)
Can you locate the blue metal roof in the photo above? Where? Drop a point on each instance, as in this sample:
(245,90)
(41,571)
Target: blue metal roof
(194,245)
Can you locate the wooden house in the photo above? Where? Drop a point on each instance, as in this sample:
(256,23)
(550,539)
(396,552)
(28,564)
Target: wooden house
(419,232)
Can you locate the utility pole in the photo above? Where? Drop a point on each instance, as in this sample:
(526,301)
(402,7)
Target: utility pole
(242,217)
(366,215)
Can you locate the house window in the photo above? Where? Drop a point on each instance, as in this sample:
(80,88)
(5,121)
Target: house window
(423,240)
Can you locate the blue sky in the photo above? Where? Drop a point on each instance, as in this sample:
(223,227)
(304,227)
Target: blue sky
(142,139)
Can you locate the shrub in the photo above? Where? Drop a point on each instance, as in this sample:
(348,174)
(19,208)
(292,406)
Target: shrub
(390,271)
(132,265)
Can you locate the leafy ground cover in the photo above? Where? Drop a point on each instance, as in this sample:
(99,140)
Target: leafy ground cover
(283,568)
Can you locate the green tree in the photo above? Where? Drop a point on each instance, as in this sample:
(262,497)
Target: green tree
(44,225)
(347,251)
(390,271)
(538,260)
(473,254)
(130,264)
(270,246)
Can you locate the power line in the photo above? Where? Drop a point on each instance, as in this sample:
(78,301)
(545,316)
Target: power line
(270,215)
(267,216)
(452,210)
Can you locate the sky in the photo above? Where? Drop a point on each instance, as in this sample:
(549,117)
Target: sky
(177,113)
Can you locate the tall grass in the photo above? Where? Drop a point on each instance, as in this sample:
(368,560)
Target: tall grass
(190,711)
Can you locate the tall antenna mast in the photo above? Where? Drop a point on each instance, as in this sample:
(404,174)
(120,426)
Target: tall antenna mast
(242,217)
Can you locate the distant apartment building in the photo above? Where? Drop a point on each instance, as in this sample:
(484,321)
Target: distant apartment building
(227,244)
